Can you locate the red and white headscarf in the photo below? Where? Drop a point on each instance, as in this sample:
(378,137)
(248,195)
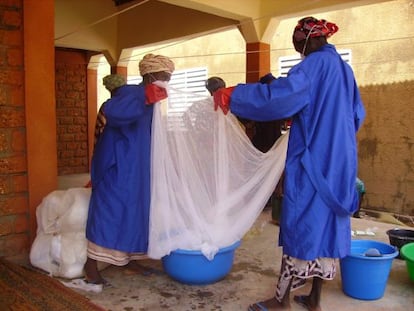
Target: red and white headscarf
(310,27)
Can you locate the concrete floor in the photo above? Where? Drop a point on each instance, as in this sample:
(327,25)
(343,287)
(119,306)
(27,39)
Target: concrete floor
(252,278)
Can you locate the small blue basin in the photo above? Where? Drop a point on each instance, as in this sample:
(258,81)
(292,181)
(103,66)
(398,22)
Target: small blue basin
(193,268)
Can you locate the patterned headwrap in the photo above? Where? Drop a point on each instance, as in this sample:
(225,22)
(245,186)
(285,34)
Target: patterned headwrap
(310,27)
(111,82)
(155,63)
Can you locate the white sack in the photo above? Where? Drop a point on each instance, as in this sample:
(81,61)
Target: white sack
(209,183)
(60,244)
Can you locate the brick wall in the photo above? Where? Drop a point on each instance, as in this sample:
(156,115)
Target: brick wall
(14,207)
(72,111)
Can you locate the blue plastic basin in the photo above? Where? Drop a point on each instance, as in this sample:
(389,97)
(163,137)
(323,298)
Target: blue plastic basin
(366,277)
(192,267)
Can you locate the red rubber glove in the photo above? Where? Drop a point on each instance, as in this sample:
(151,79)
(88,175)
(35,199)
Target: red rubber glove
(154,94)
(222,99)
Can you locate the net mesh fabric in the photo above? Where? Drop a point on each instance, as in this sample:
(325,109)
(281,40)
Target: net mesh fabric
(209,183)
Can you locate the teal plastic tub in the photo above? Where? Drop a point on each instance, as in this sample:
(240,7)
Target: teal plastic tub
(365,271)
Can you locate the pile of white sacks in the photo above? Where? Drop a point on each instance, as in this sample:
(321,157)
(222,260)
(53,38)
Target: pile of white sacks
(60,244)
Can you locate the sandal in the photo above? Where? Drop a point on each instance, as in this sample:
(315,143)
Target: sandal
(84,285)
(257,307)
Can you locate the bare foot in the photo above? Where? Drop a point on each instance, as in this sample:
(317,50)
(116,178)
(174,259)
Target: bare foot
(92,274)
(269,304)
(305,302)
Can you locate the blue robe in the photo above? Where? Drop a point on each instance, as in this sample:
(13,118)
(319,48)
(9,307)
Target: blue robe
(119,207)
(321,96)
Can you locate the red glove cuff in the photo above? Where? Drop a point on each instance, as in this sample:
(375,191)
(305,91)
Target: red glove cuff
(154,94)
(222,99)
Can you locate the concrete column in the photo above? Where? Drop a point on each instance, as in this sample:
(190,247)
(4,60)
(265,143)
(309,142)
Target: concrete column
(123,71)
(92,89)
(40,106)
(257,60)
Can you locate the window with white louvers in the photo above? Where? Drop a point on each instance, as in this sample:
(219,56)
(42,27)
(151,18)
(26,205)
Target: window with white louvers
(190,81)
(287,62)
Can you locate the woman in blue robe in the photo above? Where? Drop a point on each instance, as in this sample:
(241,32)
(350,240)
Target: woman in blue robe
(118,219)
(321,96)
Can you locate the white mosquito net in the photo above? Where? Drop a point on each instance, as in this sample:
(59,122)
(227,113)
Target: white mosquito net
(209,183)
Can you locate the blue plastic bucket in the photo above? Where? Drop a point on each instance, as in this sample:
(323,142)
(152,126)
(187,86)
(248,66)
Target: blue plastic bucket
(193,268)
(365,277)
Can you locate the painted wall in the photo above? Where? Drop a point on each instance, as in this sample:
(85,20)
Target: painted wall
(386,155)
(381,37)
(222,53)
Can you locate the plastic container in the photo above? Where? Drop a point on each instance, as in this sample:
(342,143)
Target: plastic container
(365,277)
(193,268)
(407,252)
(400,237)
